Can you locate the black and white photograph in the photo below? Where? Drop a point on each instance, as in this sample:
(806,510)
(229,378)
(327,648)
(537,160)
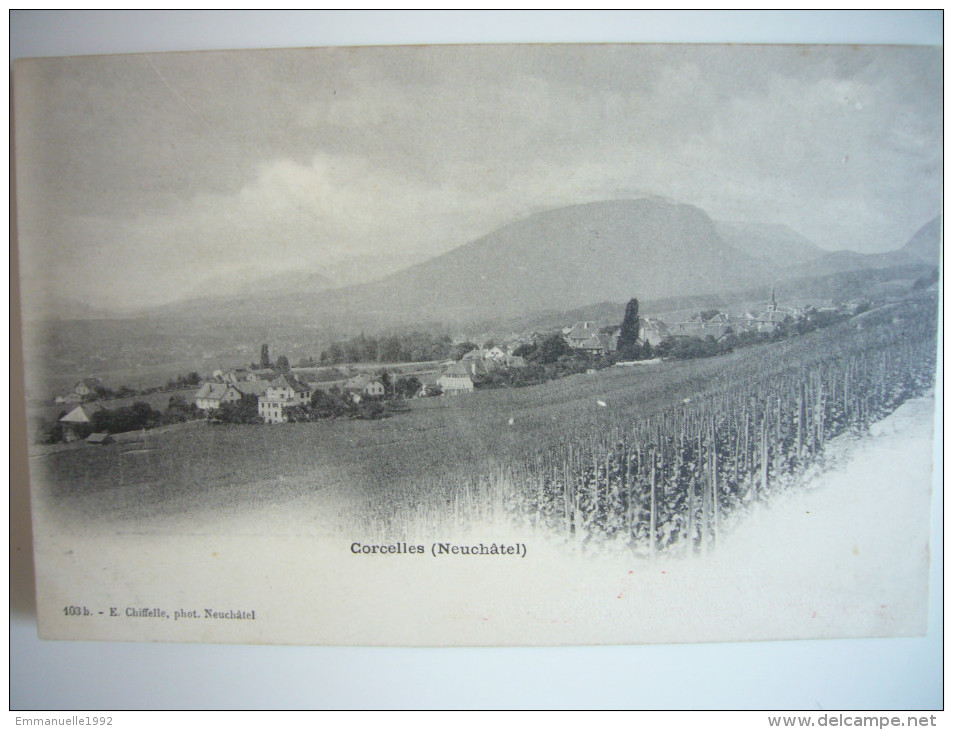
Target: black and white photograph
(489,345)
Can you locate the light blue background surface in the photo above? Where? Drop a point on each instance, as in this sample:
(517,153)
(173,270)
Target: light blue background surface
(808,675)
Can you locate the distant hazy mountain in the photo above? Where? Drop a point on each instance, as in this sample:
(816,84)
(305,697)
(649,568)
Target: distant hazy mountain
(64,308)
(774,244)
(350,271)
(926,242)
(564,258)
(923,248)
(285,283)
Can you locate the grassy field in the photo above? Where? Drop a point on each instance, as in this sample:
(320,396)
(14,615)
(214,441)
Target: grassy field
(368,473)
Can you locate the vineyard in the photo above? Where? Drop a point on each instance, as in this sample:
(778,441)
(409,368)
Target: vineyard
(671,479)
(656,459)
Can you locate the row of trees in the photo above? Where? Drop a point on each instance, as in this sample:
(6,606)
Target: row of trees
(408,347)
(280,364)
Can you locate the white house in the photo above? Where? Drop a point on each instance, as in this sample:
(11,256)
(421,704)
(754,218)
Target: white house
(212,396)
(76,419)
(364,386)
(597,344)
(236,376)
(87,387)
(456,380)
(581,333)
(653,331)
(284,392)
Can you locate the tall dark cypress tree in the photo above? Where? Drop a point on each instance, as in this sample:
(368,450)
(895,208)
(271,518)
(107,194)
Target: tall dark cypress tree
(265,362)
(629,333)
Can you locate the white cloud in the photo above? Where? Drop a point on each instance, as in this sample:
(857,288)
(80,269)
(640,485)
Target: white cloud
(305,170)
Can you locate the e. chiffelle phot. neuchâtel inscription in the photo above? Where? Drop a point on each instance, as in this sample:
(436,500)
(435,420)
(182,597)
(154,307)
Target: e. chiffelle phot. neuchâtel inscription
(152,612)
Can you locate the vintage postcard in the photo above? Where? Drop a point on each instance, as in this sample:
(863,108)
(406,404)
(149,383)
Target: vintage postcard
(481,345)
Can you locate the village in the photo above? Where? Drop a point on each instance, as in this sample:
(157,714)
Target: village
(275,393)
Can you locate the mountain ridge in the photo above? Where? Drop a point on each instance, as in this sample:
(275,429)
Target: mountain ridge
(554,260)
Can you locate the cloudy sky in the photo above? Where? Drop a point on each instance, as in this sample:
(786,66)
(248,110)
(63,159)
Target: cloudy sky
(143,179)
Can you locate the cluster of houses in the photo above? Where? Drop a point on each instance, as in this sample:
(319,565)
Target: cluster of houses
(459,377)
(84,390)
(717,325)
(275,392)
(78,420)
(274,396)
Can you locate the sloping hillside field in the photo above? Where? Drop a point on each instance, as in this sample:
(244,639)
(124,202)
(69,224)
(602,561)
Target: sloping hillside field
(651,457)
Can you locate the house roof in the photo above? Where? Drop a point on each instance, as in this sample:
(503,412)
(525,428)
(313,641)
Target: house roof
(98,438)
(252,387)
(263,373)
(582,331)
(694,329)
(428,379)
(654,325)
(359,382)
(216,391)
(82,413)
(593,343)
(457,370)
(479,365)
(287,380)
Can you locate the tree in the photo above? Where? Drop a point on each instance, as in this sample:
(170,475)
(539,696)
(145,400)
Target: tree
(179,410)
(629,331)
(282,365)
(265,361)
(390,349)
(462,349)
(370,410)
(407,387)
(242,411)
(128,418)
(330,404)
(297,414)
(387,382)
(49,433)
(551,349)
